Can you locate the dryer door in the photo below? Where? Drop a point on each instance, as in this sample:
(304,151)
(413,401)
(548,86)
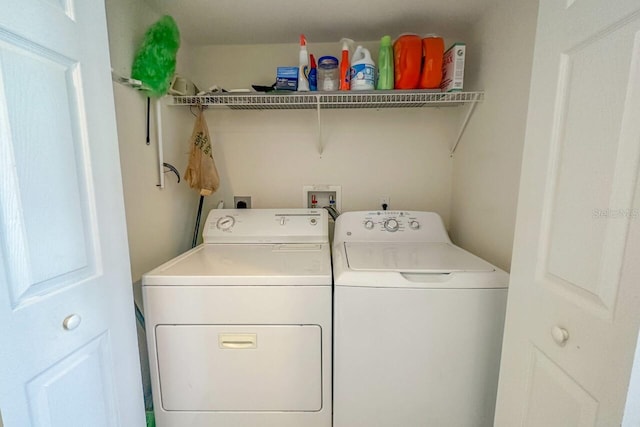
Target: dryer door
(240,367)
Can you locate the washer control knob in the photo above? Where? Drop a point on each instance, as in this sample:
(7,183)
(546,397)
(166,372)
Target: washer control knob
(313,221)
(225,223)
(368,224)
(391,225)
(414,225)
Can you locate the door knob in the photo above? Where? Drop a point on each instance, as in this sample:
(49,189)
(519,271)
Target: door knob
(560,335)
(71,322)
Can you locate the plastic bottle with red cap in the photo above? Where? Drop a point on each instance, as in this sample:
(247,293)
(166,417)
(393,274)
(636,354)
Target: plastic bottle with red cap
(303,63)
(345,66)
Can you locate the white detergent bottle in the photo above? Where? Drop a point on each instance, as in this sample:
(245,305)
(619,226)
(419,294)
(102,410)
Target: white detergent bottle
(303,65)
(363,70)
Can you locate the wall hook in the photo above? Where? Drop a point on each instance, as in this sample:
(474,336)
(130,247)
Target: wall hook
(172,169)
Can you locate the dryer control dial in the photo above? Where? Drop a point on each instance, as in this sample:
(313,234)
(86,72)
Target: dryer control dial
(368,224)
(225,223)
(414,225)
(391,225)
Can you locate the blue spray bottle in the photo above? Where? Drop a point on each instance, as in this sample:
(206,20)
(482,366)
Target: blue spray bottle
(313,74)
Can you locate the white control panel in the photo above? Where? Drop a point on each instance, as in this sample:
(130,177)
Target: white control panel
(376,226)
(266,226)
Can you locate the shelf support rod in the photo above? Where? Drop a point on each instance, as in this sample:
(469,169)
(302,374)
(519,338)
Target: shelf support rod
(465,122)
(159,139)
(320,147)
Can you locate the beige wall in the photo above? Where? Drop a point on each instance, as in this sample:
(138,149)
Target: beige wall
(271,155)
(159,221)
(486,167)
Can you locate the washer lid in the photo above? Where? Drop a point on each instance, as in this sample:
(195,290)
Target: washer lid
(413,258)
(246,264)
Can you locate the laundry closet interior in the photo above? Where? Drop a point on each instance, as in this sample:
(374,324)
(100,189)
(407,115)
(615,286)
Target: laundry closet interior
(404,155)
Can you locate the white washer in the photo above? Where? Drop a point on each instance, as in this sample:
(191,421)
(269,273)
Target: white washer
(417,324)
(239,328)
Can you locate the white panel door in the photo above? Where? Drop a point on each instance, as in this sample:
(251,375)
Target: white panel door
(69,354)
(572,315)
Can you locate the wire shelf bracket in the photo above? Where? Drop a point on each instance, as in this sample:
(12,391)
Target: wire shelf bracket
(463,126)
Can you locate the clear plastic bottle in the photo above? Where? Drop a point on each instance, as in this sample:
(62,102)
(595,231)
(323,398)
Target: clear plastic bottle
(385,64)
(328,73)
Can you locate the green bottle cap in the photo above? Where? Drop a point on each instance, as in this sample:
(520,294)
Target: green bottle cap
(385,41)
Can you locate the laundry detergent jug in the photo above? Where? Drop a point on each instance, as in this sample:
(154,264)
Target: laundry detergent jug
(407,61)
(363,70)
(433,51)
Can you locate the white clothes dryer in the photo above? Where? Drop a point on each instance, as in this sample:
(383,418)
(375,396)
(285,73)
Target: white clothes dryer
(418,324)
(239,328)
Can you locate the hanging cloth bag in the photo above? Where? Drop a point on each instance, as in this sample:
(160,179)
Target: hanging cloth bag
(202,173)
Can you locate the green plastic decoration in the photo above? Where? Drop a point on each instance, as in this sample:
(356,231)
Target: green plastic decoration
(155,61)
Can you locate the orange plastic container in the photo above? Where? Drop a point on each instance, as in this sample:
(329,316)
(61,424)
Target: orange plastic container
(433,52)
(407,60)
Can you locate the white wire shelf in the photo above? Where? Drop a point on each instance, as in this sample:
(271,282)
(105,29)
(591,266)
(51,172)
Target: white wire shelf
(329,100)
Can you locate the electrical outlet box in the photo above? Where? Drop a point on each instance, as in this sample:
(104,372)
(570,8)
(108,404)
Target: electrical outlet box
(322,194)
(384,200)
(241,202)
